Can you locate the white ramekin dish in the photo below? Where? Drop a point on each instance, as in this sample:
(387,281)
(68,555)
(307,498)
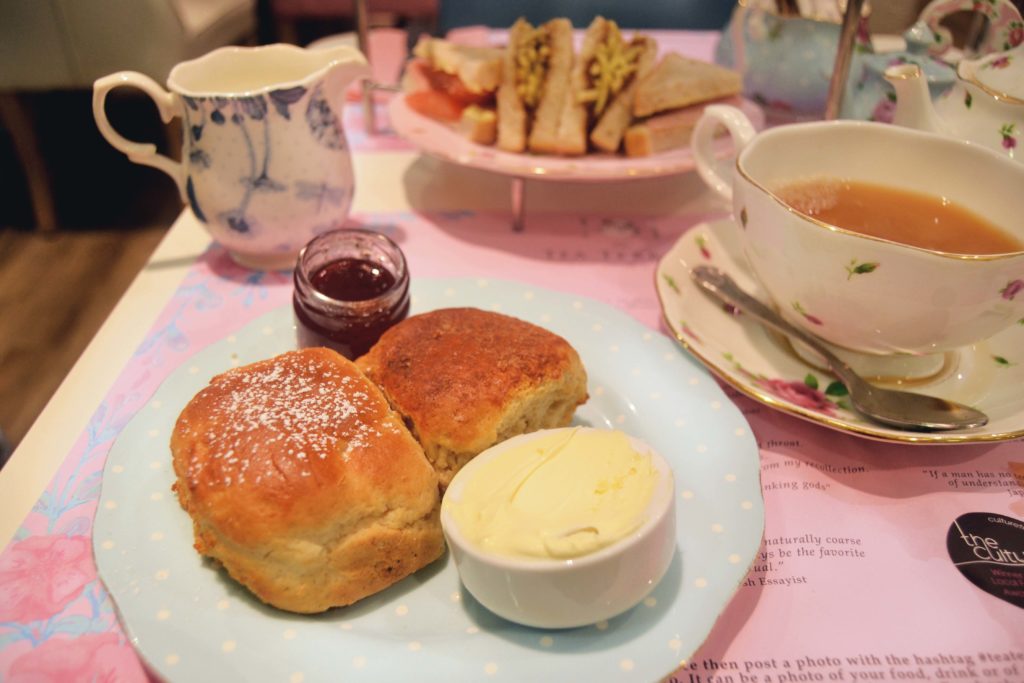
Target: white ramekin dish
(566,593)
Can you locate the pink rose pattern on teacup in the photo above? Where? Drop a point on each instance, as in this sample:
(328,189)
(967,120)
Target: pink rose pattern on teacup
(806,393)
(798,393)
(1014,34)
(998,63)
(1012,289)
(1005,29)
(1008,132)
(702,244)
(688,331)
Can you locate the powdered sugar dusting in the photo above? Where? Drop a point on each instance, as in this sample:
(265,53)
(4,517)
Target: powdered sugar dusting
(299,408)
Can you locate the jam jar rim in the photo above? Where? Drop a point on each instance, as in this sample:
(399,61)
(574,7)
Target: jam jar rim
(308,290)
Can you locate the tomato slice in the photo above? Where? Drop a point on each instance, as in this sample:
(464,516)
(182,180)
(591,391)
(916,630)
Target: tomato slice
(455,88)
(435,104)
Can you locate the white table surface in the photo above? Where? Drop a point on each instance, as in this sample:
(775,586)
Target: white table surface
(386,181)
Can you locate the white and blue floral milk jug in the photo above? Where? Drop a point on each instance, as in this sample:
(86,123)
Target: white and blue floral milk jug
(265,165)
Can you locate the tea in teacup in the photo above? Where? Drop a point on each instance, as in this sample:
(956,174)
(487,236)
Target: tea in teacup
(890,213)
(870,295)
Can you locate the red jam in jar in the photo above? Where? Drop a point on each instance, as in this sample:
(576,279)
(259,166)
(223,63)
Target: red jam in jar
(350,286)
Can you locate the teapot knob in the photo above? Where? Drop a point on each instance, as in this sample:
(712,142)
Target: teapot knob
(920,38)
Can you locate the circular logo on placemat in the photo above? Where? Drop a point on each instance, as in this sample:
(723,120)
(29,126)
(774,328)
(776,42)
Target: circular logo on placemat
(988,549)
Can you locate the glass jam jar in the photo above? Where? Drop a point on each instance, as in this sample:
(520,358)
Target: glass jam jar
(350,286)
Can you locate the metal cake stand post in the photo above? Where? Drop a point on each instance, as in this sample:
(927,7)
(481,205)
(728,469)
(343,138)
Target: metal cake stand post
(518,203)
(841,69)
(518,184)
(363,34)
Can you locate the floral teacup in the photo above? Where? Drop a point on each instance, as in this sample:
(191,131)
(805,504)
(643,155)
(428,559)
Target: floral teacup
(868,294)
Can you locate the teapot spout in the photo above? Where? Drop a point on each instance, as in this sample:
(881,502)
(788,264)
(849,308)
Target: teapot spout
(342,65)
(913,101)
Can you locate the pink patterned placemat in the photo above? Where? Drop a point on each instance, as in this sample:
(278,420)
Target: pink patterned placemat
(56,620)
(866,568)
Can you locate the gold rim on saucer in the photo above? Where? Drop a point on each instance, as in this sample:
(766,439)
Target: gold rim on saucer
(673,285)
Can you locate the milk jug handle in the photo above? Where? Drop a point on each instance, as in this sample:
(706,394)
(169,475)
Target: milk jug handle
(138,152)
(702,144)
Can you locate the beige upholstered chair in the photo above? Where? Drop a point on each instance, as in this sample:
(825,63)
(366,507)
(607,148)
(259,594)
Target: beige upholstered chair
(67,44)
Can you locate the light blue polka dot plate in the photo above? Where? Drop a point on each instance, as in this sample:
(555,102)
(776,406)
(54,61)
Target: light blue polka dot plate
(190,622)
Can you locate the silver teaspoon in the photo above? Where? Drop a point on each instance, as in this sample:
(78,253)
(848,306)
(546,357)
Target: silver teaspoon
(902,409)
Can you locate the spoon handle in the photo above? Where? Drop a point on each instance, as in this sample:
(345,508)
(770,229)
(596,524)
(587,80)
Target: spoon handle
(901,409)
(722,286)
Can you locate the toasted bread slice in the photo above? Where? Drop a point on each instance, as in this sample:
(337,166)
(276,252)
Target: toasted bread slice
(668,130)
(543,136)
(573,122)
(479,125)
(610,127)
(511,109)
(678,82)
(478,68)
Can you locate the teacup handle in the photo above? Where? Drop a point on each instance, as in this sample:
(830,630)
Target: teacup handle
(702,144)
(138,152)
(1003,28)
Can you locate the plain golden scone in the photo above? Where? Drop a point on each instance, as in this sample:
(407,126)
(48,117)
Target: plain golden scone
(464,379)
(303,483)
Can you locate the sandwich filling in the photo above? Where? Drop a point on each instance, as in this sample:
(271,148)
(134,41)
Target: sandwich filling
(613,66)
(533,54)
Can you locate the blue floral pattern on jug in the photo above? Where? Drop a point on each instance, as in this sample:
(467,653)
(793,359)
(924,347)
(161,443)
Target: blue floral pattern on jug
(323,123)
(251,116)
(264,161)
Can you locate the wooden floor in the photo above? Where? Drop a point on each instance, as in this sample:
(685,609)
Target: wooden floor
(55,292)
(57,289)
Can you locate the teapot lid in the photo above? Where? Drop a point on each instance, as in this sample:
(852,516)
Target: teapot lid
(1001,74)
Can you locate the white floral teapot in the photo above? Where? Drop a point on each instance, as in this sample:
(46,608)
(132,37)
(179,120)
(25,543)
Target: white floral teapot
(986,104)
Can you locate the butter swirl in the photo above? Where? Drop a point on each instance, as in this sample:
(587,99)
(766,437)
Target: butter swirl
(561,494)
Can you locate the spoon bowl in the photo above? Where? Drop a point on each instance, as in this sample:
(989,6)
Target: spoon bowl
(895,408)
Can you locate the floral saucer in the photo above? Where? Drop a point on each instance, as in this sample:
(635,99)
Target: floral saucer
(761,364)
